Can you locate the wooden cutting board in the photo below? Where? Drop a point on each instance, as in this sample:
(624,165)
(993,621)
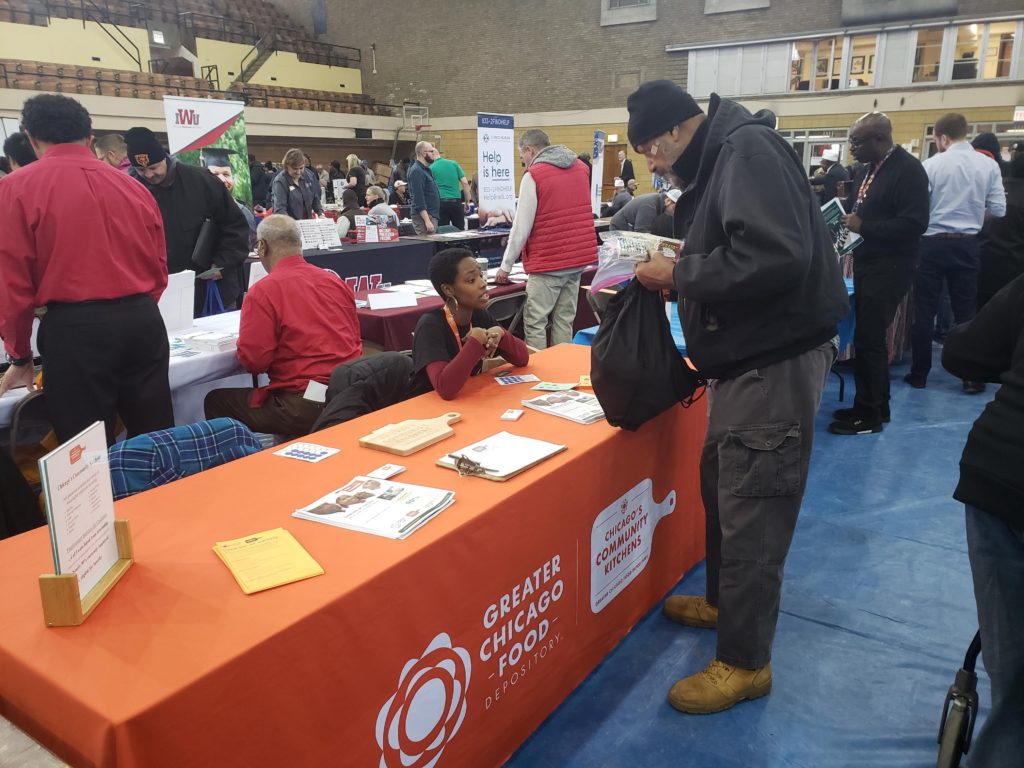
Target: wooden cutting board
(407,437)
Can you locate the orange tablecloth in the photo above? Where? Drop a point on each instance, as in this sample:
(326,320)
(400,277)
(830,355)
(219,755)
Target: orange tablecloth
(461,638)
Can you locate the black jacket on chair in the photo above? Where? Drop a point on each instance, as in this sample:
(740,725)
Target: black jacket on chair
(362,386)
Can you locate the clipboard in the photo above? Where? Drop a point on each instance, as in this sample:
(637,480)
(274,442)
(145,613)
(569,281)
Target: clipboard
(468,462)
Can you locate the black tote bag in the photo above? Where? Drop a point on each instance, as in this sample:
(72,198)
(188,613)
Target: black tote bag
(635,368)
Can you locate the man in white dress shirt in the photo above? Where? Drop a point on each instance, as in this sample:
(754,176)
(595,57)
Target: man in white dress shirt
(966,188)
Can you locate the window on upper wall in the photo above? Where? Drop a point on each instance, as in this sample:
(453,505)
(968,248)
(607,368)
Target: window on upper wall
(999,49)
(965,54)
(927,55)
(862,60)
(816,65)
(828,64)
(802,66)
(628,11)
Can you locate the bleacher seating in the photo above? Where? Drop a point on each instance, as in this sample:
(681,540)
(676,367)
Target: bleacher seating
(40,76)
(261,15)
(62,78)
(230,20)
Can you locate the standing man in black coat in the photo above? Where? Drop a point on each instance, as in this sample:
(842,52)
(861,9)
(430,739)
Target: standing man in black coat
(834,174)
(888,207)
(991,348)
(188,197)
(260,181)
(761,295)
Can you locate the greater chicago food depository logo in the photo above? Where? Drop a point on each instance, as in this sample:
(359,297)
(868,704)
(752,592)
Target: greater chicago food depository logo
(415,725)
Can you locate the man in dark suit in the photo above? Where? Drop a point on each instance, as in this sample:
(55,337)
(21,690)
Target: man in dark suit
(826,183)
(625,167)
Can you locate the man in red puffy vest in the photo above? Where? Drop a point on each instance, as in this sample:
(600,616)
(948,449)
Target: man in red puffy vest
(554,231)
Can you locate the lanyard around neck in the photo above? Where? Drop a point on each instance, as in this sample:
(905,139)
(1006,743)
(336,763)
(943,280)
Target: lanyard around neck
(862,193)
(455,329)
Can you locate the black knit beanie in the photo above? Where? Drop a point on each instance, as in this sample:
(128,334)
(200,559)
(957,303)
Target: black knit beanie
(143,147)
(656,107)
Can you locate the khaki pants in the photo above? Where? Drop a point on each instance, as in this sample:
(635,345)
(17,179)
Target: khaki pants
(288,414)
(551,297)
(419,226)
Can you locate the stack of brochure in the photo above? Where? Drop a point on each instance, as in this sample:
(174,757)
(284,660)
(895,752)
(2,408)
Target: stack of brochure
(380,507)
(209,341)
(572,405)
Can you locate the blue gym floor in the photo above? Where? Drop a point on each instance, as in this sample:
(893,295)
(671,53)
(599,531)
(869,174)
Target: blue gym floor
(877,612)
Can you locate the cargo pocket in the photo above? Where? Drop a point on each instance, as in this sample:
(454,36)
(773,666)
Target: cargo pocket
(764,460)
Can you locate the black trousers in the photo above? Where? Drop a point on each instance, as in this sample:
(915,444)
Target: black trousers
(879,286)
(452,213)
(954,261)
(103,359)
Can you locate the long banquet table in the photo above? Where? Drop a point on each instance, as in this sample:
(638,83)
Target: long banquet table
(452,644)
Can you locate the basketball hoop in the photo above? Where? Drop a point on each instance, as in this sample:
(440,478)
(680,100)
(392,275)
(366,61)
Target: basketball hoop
(419,127)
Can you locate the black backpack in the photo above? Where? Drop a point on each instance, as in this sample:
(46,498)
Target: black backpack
(635,368)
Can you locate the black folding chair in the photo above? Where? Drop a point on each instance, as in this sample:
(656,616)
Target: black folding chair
(508,311)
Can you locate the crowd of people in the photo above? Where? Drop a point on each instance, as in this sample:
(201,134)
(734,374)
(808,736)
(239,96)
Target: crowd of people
(759,280)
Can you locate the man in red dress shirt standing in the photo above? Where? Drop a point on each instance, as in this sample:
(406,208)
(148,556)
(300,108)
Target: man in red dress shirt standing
(298,324)
(87,243)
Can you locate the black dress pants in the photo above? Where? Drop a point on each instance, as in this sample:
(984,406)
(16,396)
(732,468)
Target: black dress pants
(452,213)
(104,359)
(954,261)
(879,286)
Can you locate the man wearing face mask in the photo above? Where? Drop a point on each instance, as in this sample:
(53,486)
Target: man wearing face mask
(188,197)
(760,297)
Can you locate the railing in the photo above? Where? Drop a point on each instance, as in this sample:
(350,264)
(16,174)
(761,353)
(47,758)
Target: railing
(310,51)
(94,13)
(254,59)
(211,74)
(326,53)
(233,30)
(256,96)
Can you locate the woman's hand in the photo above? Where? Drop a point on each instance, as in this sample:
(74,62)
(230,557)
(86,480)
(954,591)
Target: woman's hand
(479,334)
(494,336)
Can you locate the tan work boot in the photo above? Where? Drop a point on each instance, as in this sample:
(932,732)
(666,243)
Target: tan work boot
(719,687)
(691,610)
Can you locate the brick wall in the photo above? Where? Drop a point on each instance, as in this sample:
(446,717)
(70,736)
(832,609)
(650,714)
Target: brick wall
(546,55)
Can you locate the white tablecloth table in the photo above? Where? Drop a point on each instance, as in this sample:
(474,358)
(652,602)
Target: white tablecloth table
(190,377)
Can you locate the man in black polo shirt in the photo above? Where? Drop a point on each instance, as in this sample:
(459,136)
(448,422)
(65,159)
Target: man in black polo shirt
(888,207)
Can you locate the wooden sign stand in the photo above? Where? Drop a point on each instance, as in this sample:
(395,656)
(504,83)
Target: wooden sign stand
(63,606)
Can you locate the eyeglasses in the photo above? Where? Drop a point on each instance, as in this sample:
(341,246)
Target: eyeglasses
(856,141)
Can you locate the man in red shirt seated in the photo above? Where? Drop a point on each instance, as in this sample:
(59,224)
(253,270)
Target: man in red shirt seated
(298,324)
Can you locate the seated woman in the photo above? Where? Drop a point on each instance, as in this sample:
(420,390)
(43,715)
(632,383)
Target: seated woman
(450,343)
(349,210)
(375,202)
